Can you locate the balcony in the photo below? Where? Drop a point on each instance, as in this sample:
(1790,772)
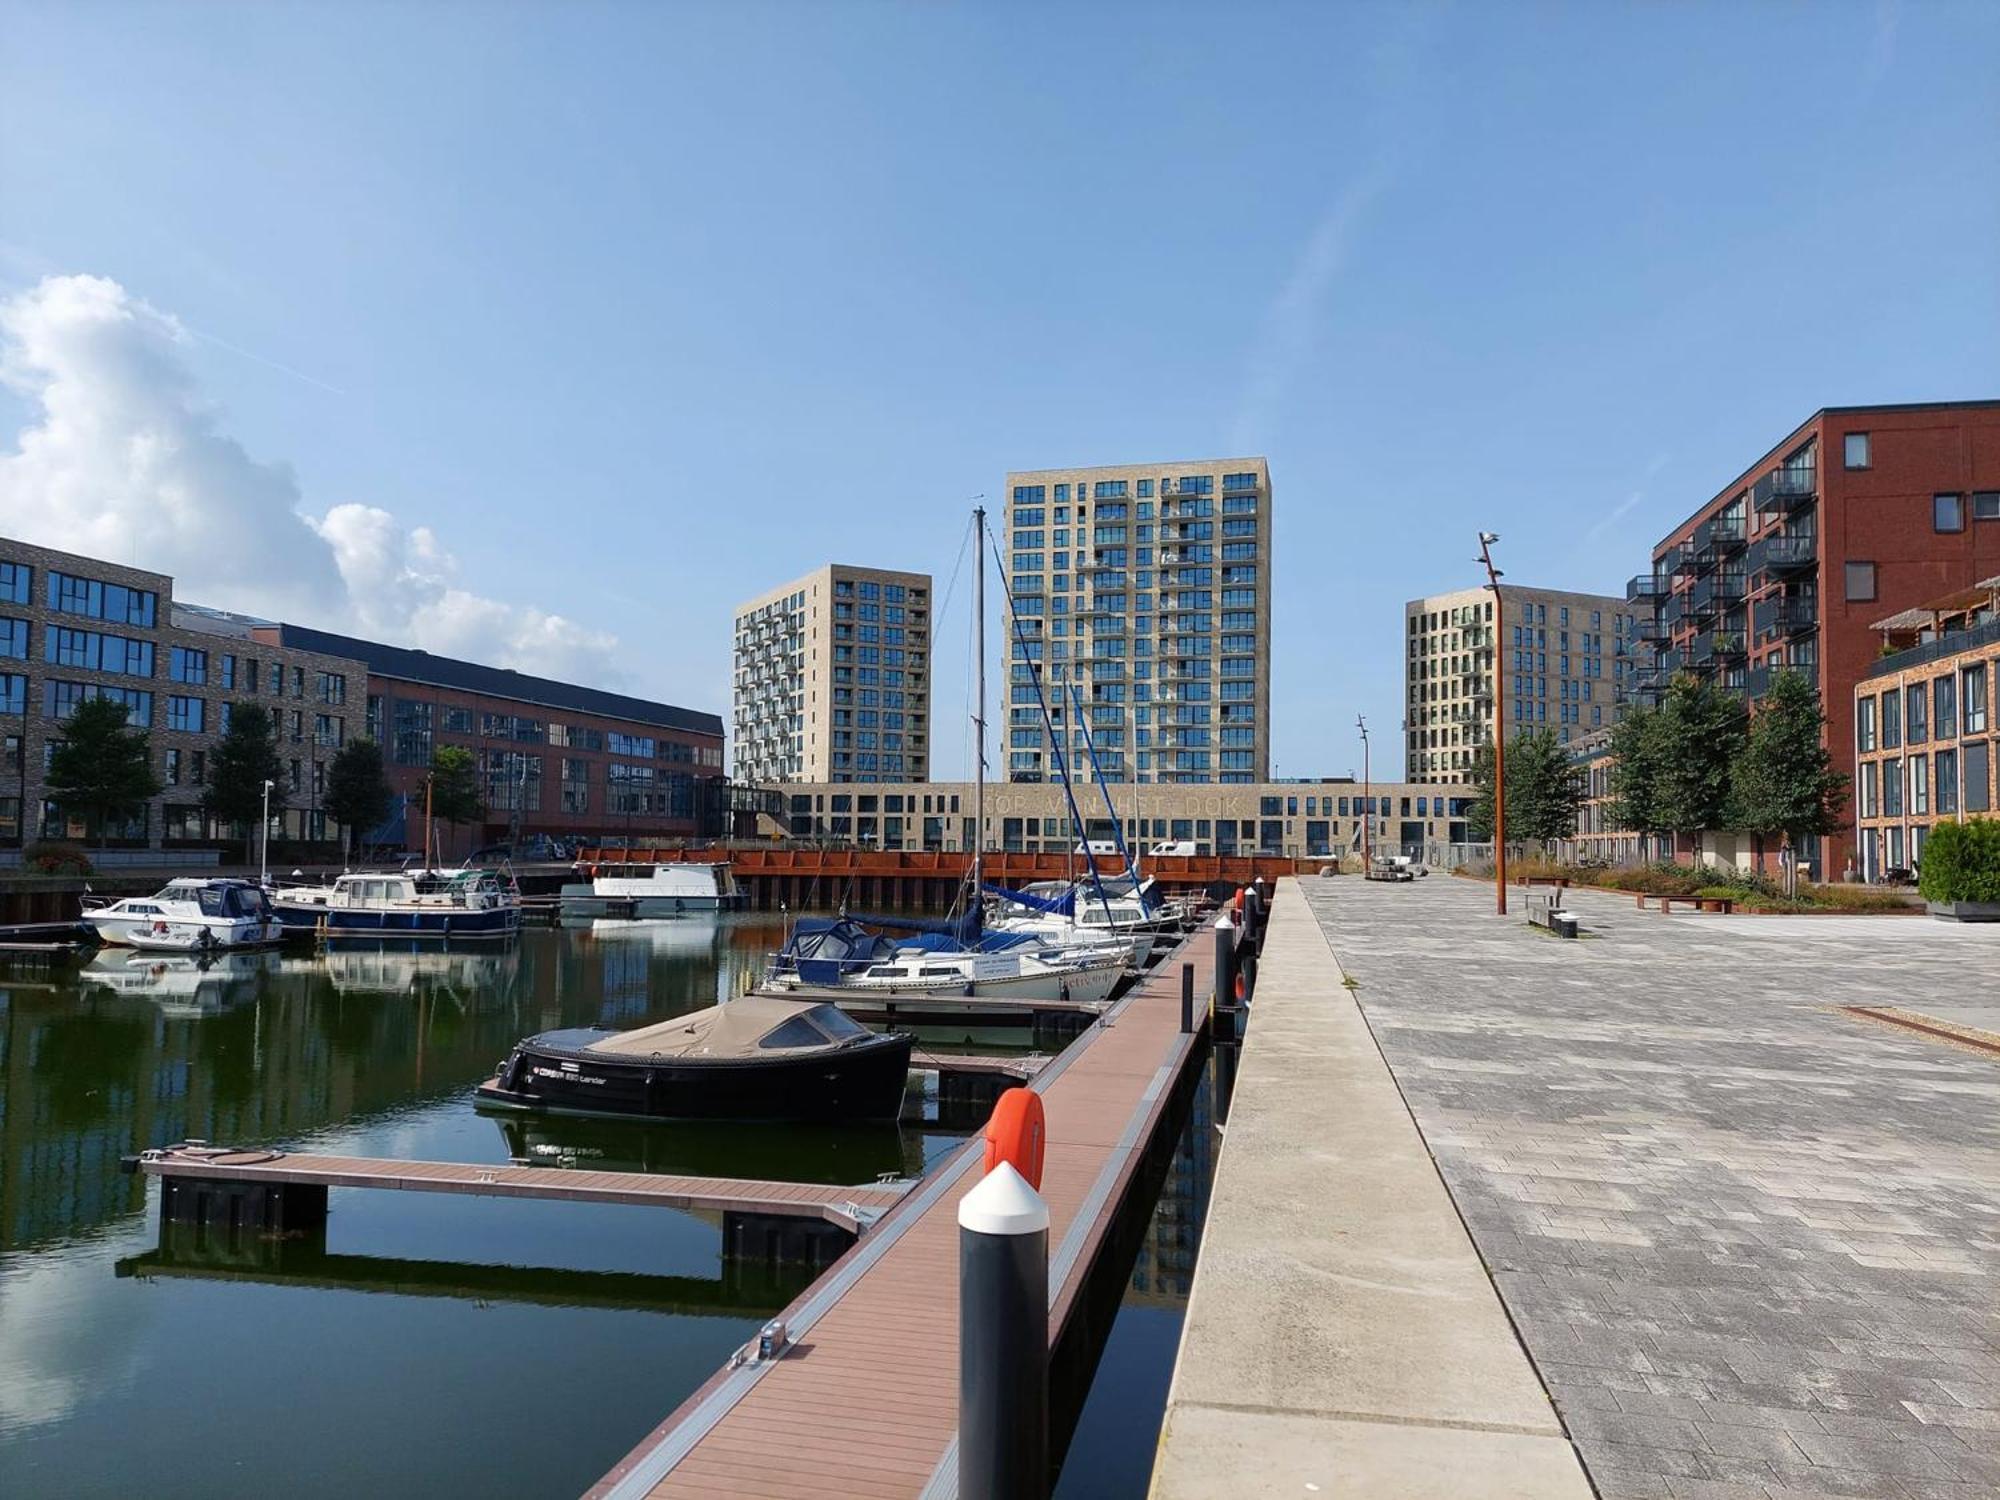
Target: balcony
(1715,539)
(1784,490)
(1645,586)
(1650,628)
(1711,595)
(1784,554)
(1713,648)
(1787,616)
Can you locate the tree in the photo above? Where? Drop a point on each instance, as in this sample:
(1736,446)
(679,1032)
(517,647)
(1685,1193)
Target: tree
(245,758)
(1696,737)
(358,794)
(1635,772)
(101,768)
(1784,778)
(455,786)
(1542,790)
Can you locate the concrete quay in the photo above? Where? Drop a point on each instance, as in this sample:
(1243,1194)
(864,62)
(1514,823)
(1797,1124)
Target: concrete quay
(1749,1240)
(1343,1335)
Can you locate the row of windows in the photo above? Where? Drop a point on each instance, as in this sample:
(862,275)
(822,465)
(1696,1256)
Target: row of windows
(1945,781)
(1913,714)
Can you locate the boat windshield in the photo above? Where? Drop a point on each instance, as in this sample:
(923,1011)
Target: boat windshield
(797,1032)
(836,1023)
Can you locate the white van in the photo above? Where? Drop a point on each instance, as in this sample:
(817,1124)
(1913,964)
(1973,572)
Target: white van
(1178,846)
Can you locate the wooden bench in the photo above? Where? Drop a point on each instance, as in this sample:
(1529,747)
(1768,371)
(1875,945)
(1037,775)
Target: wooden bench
(1723,905)
(1559,882)
(1546,911)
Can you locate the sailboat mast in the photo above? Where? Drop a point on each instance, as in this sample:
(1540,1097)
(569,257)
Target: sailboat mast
(979,700)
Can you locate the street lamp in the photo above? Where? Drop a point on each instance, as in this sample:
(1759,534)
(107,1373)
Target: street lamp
(1367,794)
(1493,577)
(264,849)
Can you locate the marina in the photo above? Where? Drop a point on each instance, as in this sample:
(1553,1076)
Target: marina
(366,1054)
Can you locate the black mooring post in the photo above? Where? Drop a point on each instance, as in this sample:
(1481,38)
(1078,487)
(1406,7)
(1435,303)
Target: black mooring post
(1003,1340)
(1253,916)
(1263,908)
(1187,999)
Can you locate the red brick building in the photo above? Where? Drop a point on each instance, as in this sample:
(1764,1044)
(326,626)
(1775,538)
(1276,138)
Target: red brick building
(1857,513)
(553,758)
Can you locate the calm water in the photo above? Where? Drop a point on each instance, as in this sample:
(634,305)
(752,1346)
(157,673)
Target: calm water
(433,1345)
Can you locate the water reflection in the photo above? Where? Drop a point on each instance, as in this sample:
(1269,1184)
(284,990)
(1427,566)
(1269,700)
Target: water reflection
(134,1051)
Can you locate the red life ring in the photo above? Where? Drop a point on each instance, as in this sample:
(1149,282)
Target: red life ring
(1017,1134)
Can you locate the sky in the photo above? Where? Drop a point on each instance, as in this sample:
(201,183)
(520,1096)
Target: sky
(545,334)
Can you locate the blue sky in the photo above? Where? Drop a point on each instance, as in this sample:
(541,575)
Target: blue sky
(623,313)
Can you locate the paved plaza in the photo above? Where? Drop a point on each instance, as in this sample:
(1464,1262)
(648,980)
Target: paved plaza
(1751,1242)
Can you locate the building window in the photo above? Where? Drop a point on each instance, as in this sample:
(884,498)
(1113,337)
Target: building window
(1864,725)
(1947,781)
(1860,582)
(173,768)
(1948,512)
(17,583)
(1920,785)
(1856,450)
(1870,780)
(1944,699)
(184,714)
(101,601)
(13,694)
(332,688)
(1977,798)
(1916,721)
(1892,720)
(1986,505)
(1972,694)
(185,664)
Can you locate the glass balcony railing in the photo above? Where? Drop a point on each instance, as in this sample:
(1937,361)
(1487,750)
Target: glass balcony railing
(1645,586)
(1785,489)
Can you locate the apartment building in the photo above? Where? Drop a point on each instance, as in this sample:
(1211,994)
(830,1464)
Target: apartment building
(1858,513)
(1924,726)
(553,758)
(1301,819)
(1564,659)
(833,678)
(1139,622)
(74,628)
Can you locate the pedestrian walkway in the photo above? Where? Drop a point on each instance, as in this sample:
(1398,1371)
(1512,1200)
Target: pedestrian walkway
(1342,1336)
(1751,1240)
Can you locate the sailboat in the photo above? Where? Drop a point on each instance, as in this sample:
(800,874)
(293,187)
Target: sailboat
(826,958)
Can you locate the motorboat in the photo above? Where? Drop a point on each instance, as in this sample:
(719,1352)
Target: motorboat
(189,914)
(667,890)
(760,1057)
(444,905)
(835,956)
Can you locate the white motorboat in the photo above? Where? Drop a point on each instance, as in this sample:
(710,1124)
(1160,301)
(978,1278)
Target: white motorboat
(839,955)
(667,890)
(188,915)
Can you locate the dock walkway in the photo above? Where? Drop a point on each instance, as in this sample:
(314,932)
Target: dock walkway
(866,1404)
(1342,1335)
(846,1207)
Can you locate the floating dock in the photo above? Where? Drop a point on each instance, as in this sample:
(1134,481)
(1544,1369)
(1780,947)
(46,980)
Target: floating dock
(864,1402)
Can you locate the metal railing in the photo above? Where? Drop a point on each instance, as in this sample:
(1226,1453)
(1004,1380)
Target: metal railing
(1937,650)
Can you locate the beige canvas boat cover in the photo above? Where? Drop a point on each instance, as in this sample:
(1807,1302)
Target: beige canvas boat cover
(731,1030)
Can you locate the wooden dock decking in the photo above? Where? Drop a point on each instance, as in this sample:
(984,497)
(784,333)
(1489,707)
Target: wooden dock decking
(865,1403)
(849,1208)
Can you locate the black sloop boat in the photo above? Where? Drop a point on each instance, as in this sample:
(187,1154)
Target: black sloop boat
(758,1058)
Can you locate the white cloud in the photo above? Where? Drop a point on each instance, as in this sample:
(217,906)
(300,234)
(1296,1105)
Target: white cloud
(126,460)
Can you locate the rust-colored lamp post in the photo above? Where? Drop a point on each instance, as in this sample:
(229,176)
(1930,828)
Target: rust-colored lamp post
(1493,577)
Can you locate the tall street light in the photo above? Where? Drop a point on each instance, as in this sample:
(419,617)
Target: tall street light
(264,846)
(1493,577)
(1367,794)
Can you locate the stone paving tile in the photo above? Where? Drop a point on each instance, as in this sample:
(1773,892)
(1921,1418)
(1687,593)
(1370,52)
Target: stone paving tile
(1752,1244)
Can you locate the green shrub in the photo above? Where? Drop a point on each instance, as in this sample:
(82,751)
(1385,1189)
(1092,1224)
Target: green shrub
(1962,862)
(50,858)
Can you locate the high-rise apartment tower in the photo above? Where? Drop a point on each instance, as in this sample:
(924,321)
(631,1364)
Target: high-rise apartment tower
(833,678)
(1144,589)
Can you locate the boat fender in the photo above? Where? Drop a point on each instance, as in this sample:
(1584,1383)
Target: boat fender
(1017,1134)
(1242,989)
(1065,992)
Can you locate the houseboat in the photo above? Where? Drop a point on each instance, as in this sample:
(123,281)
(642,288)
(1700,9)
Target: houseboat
(442,905)
(667,890)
